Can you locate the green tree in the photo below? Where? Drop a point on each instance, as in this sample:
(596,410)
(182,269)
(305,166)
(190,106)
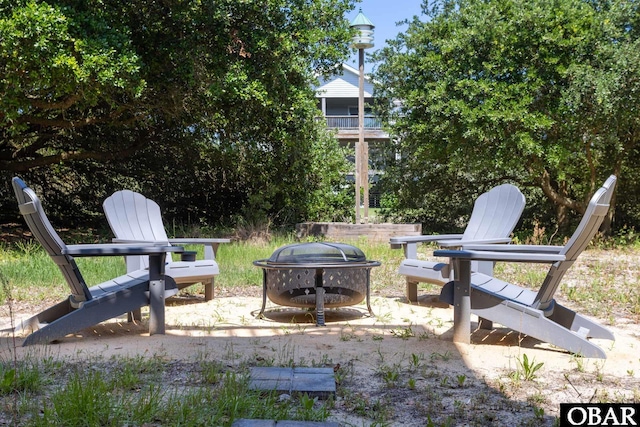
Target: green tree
(544,93)
(213,98)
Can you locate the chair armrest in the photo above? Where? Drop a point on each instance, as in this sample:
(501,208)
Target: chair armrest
(397,241)
(198,241)
(486,242)
(111,249)
(210,245)
(499,256)
(410,243)
(546,249)
(140,242)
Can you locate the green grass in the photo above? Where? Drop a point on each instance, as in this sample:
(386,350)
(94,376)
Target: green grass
(135,392)
(34,278)
(236,259)
(607,279)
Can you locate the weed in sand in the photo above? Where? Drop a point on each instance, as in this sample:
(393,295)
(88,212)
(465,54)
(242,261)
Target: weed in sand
(404,333)
(385,318)
(345,336)
(324,361)
(211,372)
(442,356)
(90,398)
(444,381)
(411,383)
(309,409)
(390,374)
(230,353)
(537,398)
(286,355)
(379,411)
(423,336)
(579,361)
(526,369)
(459,409)
(430,402)
(599,373)
(264,361)
(461,380)
(481,399)
(341,373)
(414,362)
(436,322)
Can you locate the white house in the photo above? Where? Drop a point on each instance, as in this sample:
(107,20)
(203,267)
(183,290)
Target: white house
(338,103)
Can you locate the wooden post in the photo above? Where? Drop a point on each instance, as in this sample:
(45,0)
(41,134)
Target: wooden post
(362,173)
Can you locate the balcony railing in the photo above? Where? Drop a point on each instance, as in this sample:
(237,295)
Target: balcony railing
(351,122)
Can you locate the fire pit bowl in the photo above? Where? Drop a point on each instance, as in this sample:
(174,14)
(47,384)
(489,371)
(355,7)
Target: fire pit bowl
(318,274)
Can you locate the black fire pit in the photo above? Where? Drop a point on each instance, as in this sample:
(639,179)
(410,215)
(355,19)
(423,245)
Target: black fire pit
(316,275)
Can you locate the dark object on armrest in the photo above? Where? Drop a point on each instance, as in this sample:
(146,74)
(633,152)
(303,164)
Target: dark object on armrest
(189,256)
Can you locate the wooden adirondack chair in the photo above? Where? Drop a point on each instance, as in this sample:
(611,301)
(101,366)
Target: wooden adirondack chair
(494,216)
(536,313)
(87,306)
(135,219)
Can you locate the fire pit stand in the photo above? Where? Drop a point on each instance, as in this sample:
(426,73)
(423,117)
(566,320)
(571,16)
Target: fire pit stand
(316,275)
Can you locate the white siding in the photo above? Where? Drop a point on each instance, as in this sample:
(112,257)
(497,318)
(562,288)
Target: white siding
(344,86)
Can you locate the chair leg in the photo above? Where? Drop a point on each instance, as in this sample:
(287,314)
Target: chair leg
(484,323)
(208,290)
(412,291)
(575,322)
(533,323)
(49,315)
(134,316)
(92,313)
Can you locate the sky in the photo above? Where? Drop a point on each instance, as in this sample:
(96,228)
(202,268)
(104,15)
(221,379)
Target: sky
(384,14)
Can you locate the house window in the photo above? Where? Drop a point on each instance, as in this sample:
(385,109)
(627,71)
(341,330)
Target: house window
(353,111)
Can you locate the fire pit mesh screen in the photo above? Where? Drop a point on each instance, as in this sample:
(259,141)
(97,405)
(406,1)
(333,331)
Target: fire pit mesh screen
(296,287)
(316,253)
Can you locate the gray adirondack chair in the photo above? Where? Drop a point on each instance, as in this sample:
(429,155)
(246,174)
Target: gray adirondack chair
(135,219)
(86,306)
(537,313)
(494,216)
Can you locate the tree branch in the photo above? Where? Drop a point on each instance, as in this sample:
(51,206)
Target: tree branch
(25,165)
(73,124)
(60,105)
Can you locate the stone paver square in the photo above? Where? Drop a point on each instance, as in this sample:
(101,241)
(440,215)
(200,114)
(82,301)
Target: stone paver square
(316,382)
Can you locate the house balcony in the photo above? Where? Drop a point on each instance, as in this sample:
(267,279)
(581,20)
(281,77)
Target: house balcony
(347,127)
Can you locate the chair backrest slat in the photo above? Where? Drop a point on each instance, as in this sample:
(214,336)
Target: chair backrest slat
(589,225)
(43,231)
(132,216)
(495,213)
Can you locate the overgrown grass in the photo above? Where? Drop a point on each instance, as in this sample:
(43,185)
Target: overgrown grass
(605,277)
(36,279)
(137,392)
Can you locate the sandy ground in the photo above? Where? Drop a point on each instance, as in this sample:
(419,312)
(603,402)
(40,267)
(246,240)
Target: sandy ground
(470,384)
